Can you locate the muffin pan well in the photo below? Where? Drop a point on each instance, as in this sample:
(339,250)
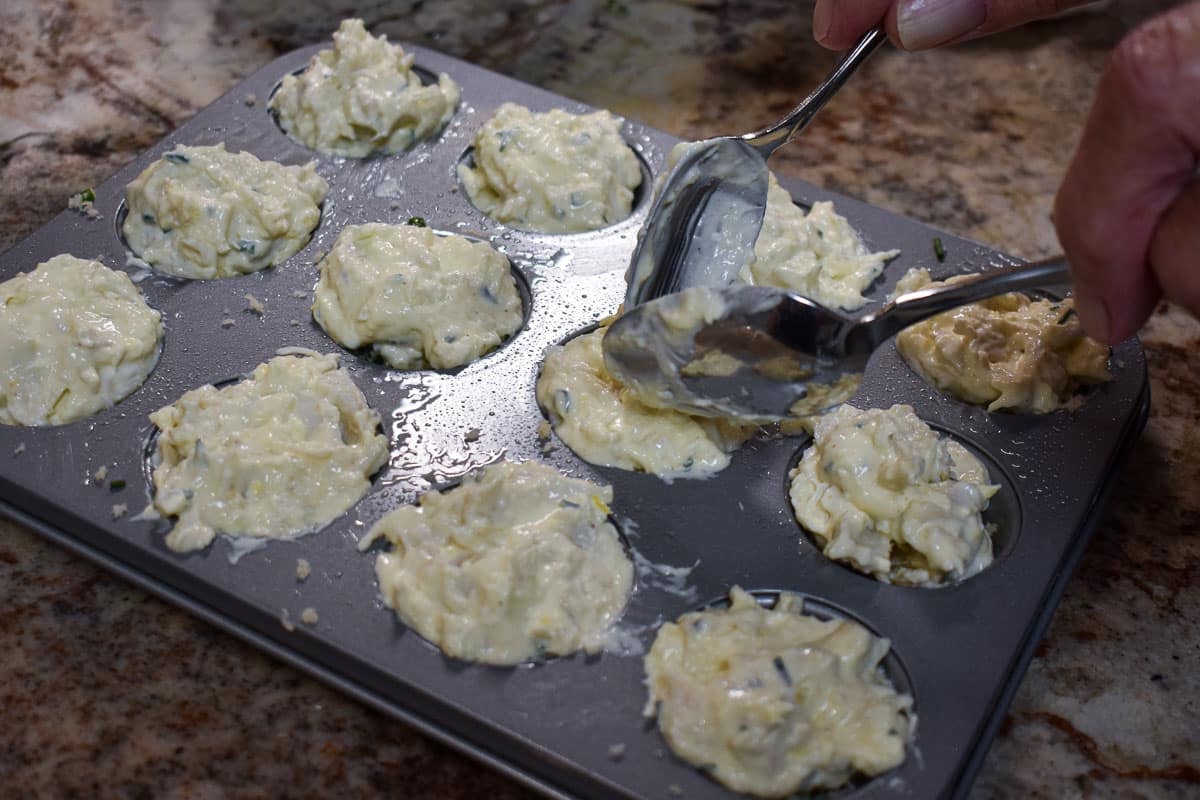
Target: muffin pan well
(1002,516)
(554,725)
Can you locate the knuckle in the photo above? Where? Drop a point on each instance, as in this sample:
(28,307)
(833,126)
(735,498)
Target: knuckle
(1154,57)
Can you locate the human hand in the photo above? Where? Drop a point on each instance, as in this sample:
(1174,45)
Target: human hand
(1128,210)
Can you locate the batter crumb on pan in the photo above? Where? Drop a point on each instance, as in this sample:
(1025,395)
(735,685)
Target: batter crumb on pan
(227,322)
(286,621)
(303,569)
(101,473)
(119,510)
(20,448)
(309,616)
(254,305)
(616,751)
(84,203)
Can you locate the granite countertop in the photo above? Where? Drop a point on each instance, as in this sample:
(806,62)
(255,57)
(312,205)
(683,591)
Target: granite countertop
(106,690)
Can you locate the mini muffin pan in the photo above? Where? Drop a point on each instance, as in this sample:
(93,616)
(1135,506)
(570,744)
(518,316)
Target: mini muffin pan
(571,727)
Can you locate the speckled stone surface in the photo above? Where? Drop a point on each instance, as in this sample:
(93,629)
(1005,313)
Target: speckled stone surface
(105,691)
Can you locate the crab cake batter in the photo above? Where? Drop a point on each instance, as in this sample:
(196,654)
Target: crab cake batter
(1007,353)
(603,422)
(276,455)
(516,563)
(883,492)
(415,297)
(816,254)
(553,172)
(75,338)
(362,97)
(202,212)
(775,702)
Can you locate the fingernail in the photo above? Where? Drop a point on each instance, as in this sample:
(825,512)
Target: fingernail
(822,19)
(926,23)
(1093,314)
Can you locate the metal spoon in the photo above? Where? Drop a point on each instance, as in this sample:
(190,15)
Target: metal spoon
(756,352)
(702,227)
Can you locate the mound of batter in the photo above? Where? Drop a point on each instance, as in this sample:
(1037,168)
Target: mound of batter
(775,702)
(416,297)
(1007,353)
(202,212)
(276,455)
(75,338)
(881,491)
(815,254)
(517,563)
(603,423)
(554,172)
(362,97)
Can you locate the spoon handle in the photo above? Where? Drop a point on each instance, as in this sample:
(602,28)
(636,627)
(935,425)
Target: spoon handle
(768,140)
(916,306)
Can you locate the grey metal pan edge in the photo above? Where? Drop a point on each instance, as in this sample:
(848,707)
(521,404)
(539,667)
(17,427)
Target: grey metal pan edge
(1054,593)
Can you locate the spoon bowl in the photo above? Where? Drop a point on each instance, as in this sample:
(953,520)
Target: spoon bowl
(760,354)
(702,227)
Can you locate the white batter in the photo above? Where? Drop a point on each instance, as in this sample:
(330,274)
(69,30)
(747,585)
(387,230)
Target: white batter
(75,338)
(201,212)
(723,229)
(884,493)
(603,422)
(362,97)
(415,297)
(820,398)
(517,563)
(278,454)
(1007,352)
(553,172)
(775,702)
(815,254)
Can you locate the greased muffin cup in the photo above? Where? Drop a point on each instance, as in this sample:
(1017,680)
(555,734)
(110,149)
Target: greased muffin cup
(570,726)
